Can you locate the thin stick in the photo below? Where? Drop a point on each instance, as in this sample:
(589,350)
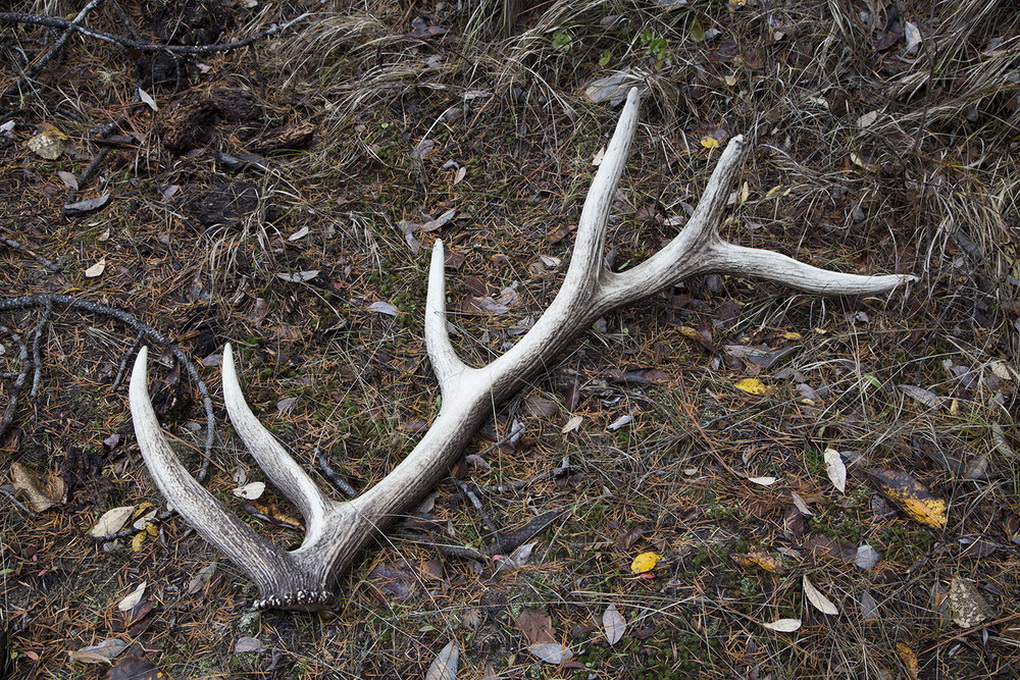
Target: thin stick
(34,68)
(11,243)
(36,354)
(334,478)
(19,382)
(56,22)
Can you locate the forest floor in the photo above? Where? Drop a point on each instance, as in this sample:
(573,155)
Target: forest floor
(283,196)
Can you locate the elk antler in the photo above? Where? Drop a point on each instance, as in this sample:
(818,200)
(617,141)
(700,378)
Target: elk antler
(305,578)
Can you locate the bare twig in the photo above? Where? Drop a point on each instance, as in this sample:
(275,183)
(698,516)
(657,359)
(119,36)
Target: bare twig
(144,332)
(19,382)
(334,478)
(36,354)
(40,63)
(6,491)
(56,22)
(509,542)
(477,503)
(11,243)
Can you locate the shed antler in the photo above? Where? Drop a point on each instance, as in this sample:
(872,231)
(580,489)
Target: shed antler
(305,578)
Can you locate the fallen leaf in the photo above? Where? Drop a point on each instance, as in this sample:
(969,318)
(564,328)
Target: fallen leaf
(909,660)
(250,492)
(299,277)
(96,270)
(147,99)
(967,605)
(444,666)
(869,608)
(919,394)
(134,668)
(105,652)
(751,386)
(202,578)
(710,142)
(759,558)
(613,88)
(248,644)
(572,424)
(440,222)
(818,598)
(112,521)
(536,626)
(764,481)
(132,600)
(613,624)
(299,234)
(41,494)
(904,491)
(867,557)
(644,562)
(836,469)
(49,143)
(69,180)
(620,423)
(783,625)
(801,504)
(88,205)
(551,652)
(381,307)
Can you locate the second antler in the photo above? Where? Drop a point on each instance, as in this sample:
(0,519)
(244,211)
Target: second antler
(305,578)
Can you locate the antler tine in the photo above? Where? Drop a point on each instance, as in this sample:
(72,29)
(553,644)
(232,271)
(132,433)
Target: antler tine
(208,516)
(275,462)
(445,362)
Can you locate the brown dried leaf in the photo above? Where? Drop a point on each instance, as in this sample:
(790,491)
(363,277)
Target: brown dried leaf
(105,652)
(41,494)
(536,626)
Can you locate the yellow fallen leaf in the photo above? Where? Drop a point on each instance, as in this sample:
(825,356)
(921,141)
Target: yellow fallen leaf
(910,496)
(790,336)
(909,660)
(751,386)
(758,558)
(138,541)
(710,142)
(644,562)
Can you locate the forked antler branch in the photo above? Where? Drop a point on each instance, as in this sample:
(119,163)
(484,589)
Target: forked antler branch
(305,578)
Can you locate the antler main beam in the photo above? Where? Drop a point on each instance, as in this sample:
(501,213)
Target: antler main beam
(305,578)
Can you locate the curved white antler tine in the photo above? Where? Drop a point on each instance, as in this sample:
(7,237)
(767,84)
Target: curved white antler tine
(208,516)
(278,465)
(766,264)
(445,362)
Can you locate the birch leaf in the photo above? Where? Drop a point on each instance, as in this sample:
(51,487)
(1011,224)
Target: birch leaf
(818,599)
(444,667)
(644,562)
(133,598)
(97,269)
(613,624)
(250,492)
(105,652)
(751,386)
(783,625)
(835,468)
(801,504)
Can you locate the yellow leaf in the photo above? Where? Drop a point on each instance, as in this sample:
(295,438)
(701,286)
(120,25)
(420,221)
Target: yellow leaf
(138,541)
(791,336)
(774,191)
(758,558)
(644,562)
(910,496)
(909,659)
(710,142)
(751,386)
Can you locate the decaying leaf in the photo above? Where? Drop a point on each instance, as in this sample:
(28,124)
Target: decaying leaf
(919,394)
(551,652)
(41,494)
(967,604)
(867,557)
(112,521)
(202,578)
(910,496)
(644,562)
(248,644)
(133,598)
(801,504)
(251,491)
(135,667)
(572,424)
(836,469)
(613,624)
(97,269)
(88,205)
(759,558)
(909,660)
(783,625)
(105,652)
(49,143)
(869,608)
(818,599)
(751,386)
(763,481)
(444,666)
